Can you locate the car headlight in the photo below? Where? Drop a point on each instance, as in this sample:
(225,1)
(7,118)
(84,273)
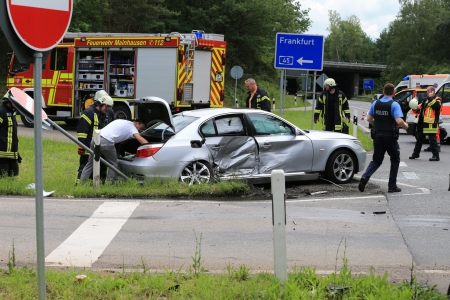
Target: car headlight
(357,142)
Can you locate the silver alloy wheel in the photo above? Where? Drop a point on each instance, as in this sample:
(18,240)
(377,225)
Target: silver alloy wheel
(343,167)
(196,173)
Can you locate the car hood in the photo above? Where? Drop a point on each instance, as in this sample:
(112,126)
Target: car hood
(329,135)
(153,108)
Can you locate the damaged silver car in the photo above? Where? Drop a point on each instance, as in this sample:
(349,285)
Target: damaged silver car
(225,143)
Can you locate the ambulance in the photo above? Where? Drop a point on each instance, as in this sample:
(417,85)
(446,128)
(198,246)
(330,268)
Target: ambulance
(416,81)
(185,69)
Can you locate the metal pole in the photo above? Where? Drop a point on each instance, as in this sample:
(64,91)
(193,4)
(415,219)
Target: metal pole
(314,101)
(38,175)
(281,92)
(96,170)
(235,100)
(306,91)
(279,224)
(85,148)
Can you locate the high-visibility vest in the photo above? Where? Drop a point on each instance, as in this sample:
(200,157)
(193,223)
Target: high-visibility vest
(431,124)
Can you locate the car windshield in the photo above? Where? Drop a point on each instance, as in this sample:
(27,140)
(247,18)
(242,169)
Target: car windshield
(179,121)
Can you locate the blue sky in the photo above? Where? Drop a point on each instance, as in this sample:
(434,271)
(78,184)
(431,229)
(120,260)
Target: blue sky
(374,15)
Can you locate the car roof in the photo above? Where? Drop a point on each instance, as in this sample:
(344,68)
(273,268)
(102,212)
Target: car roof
(208,112)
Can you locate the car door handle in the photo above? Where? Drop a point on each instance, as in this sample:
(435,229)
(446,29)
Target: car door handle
(216,147)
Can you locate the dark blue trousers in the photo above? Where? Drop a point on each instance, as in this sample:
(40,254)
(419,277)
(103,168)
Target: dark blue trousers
(383,143)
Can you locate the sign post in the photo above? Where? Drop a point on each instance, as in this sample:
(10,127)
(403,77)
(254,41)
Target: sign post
(299,52)
(236,73)
(40,25)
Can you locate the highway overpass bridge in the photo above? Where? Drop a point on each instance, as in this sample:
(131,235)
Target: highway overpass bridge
(348,75)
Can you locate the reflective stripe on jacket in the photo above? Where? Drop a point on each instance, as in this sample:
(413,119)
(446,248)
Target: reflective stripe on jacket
(8,134)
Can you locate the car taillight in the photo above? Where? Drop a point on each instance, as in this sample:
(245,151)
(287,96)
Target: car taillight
(148,150)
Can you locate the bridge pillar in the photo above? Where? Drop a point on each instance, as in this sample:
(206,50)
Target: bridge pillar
(355,84)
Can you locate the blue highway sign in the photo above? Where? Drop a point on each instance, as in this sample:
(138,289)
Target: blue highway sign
(368,84)
(299,51)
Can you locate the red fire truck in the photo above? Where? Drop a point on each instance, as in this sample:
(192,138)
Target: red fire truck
(186,70)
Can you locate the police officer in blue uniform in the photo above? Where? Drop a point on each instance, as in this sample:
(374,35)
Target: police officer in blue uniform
(386,117)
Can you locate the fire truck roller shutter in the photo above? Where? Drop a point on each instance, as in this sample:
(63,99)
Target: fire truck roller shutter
(202,76)
(156,73)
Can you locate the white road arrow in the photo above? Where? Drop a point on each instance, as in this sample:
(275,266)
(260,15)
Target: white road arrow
(301,61)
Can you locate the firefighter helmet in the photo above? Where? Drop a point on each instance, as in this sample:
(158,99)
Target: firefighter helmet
(99,94)
(106,100)
(330,82)
(6,97)
(413,104)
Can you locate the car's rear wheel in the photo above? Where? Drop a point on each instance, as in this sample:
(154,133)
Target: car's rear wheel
(340,167)
(196,172)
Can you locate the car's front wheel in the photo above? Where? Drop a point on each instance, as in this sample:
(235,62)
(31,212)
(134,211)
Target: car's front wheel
(340,167)
(196,172)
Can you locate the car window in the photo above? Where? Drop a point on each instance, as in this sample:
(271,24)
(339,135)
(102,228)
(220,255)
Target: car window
(402,96)
(269,125)
(207,129)
(229,125)
(179,122)
(444,93)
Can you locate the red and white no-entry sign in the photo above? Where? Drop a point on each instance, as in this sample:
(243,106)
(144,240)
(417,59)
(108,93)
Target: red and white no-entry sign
(40,24)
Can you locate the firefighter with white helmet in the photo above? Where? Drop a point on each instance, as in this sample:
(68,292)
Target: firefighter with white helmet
(332,106)
(9,142)
(93,118)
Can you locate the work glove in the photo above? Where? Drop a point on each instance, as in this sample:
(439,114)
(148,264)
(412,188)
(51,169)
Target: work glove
(80,150)
(348,119)
(315,120)
(19,158)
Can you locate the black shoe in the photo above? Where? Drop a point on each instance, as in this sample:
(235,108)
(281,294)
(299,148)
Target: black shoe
(427,149)
(434,158)
(396,190)
(362,184)
(414,156)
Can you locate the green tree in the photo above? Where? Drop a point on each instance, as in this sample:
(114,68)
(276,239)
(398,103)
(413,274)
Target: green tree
(249,27)
(139,16)
(412,48)
(347,41)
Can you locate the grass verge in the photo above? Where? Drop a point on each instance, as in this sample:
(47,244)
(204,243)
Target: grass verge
(302,283)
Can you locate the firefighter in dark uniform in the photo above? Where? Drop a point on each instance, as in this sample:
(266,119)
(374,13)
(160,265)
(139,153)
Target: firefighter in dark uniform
(257,97)
(386,117)
(9,142)
(93,118)
(332,106)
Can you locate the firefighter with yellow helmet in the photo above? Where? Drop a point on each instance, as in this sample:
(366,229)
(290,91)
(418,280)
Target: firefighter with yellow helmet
(93,118)
(332,106)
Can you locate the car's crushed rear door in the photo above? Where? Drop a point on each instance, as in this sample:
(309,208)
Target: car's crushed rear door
(233,151)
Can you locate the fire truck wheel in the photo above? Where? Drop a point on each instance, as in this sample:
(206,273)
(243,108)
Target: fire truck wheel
(121,111)
(27,122)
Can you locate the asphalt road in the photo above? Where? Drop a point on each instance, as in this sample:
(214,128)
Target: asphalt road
(387,231)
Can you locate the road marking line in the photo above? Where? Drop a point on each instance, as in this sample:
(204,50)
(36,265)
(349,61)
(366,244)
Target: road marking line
(410,175)
(85,245)
(403,164)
